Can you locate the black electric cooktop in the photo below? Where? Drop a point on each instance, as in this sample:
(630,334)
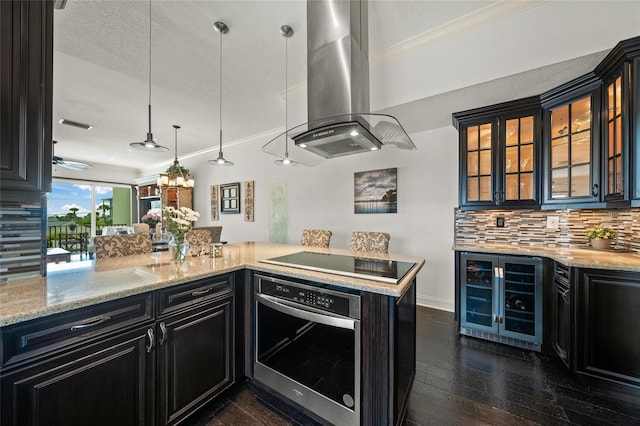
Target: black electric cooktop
(384,270)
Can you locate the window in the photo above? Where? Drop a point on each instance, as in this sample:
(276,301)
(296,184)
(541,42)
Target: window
(79,210)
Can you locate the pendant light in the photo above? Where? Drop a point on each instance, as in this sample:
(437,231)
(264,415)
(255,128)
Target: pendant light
(286,32)
(222,28)
(175,177)
(149,144)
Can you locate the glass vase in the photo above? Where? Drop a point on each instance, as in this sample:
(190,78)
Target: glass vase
(178,251)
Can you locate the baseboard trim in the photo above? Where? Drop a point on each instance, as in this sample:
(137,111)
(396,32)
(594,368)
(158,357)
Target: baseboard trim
(436,303)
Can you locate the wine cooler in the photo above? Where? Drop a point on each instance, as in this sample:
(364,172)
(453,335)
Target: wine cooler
(501,298)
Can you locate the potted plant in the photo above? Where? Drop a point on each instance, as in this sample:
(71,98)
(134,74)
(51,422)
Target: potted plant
(601,236)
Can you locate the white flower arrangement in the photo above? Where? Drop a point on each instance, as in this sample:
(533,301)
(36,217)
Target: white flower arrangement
(179,221)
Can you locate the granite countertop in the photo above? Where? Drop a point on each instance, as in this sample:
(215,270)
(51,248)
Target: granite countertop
(573,257)
(91,282)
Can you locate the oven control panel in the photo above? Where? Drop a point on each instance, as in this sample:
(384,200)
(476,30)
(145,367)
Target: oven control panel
(326,300)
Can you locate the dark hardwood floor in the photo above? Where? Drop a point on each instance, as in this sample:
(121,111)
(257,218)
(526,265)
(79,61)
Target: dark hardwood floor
(461,381)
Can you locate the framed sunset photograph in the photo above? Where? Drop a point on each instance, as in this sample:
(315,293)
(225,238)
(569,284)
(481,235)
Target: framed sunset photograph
(376,191)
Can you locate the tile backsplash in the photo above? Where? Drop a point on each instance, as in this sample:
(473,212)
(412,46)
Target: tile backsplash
(529,227)
(21,242)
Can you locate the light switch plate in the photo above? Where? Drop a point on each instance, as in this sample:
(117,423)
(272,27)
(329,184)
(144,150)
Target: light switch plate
(553,222)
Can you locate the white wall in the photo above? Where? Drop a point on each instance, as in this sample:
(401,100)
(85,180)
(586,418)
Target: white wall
(322,197)
(497,43)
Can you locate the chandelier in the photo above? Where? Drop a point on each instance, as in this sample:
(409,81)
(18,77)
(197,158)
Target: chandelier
(176,175)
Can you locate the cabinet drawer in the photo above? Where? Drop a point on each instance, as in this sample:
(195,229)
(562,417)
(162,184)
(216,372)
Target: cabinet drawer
(43,335)
(183,296)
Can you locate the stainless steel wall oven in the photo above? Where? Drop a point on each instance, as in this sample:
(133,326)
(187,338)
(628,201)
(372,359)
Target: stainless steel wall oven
(307,346)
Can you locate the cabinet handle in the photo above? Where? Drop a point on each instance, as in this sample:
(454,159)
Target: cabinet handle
(500,319)
(151,340)
(595,190)
(565,296)
(91,323)
(163,338)
(200,292)
(495,318)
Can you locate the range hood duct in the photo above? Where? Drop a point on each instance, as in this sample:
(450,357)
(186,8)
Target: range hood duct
(340,122)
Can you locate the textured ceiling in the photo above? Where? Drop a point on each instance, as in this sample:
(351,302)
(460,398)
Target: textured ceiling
(421,68)
(101,69)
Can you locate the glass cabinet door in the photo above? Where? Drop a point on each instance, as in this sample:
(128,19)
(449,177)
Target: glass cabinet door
(519,159)
(477,292)
(479,163)
(570,152)
(614,138)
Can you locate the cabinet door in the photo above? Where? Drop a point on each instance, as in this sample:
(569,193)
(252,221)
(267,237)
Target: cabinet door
(478,292)
(26,48)
(109,383)
(477,165)
(520,313)
(195,359)
(616,136)
(608,317)
(572,159)
(519,158)
(561,325)
(500,155)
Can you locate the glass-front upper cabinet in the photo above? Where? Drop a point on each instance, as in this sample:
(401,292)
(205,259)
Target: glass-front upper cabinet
(499,155)
(620,120)
(479,152)
(571,149)
(519,158)
(615,140)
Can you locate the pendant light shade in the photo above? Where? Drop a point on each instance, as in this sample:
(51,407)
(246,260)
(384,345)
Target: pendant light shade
(222,28)
(286,32)
(149,144)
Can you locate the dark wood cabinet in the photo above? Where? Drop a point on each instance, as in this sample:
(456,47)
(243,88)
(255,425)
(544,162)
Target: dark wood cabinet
(93,365)
(620,71)
(562,322)
(501,298)
(388,333)
(108,383)
(499,155)
(608,336)
(571,154)
(26,78)
(148,359)
(196,351)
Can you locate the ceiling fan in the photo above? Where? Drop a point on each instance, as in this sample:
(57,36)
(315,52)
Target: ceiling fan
(71,165)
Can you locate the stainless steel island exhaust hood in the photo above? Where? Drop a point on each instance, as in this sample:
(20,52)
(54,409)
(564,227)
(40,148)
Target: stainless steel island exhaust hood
(338,87)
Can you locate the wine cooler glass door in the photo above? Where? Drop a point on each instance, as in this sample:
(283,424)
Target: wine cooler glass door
(520,299)
(478,294)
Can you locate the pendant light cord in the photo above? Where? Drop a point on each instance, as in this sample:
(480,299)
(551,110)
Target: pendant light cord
(149,66)
(220,118)
(286,95)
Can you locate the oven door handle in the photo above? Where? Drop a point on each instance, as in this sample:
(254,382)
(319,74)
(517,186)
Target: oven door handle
(321,317)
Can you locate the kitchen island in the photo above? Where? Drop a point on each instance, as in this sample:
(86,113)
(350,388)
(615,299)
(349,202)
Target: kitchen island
(179,335)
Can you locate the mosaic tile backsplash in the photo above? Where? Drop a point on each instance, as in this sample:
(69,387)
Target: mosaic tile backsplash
(21,243)
(529,227)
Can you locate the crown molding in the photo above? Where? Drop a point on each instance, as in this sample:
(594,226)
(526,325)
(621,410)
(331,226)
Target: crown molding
(480,18)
